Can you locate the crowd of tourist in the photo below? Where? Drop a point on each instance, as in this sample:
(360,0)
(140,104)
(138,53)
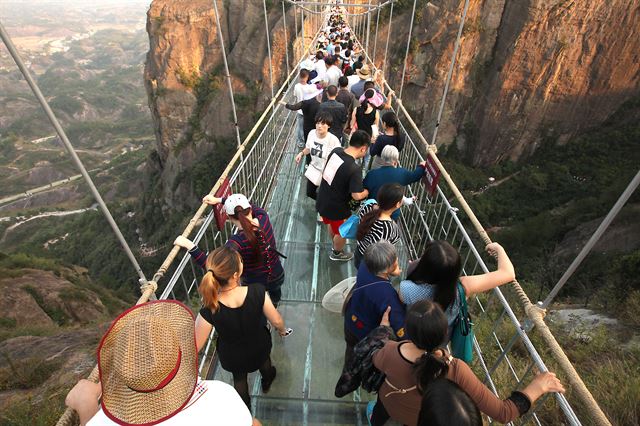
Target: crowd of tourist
(396,340)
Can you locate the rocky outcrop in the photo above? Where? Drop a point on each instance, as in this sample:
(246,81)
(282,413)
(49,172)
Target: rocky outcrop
(187,91)
(527,70)
(41,298)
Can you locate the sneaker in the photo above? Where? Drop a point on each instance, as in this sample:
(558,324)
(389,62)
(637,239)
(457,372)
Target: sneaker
(300,145)
(341,256)
(266,382)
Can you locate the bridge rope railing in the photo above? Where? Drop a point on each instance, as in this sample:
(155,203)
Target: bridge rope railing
(246,174)
(434,216)
(534,314)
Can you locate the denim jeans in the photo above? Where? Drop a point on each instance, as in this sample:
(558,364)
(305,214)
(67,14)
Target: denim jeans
(300,132)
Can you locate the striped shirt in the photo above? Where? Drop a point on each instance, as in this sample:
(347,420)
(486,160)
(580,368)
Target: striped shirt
(256,270)
(380,230)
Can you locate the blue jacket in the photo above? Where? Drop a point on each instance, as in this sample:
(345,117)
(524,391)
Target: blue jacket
(367,305)
(389,174)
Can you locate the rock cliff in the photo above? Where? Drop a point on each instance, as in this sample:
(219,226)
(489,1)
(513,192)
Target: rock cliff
(527,70)
(187,90)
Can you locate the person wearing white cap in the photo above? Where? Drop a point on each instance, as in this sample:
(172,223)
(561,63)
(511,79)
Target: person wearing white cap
(147,362)
(255,241)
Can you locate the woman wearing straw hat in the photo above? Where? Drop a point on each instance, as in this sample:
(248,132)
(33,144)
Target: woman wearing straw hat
(147,362)
(238,315)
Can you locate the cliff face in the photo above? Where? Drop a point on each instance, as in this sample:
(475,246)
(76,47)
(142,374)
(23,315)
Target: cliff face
(526,70)
(184,77)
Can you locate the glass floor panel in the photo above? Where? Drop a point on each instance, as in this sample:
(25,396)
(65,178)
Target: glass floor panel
(309,361)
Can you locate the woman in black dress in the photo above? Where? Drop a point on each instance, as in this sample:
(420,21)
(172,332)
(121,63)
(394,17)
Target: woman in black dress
(239,315)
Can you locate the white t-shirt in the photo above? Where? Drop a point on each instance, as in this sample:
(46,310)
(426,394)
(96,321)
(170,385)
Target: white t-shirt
(300,90)
(333,74)
(353,79)
(321,69)
(212,403)
(321,148)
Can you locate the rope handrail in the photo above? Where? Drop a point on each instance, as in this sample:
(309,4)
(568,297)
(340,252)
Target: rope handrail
(149,288)
(533,312)
(232,162)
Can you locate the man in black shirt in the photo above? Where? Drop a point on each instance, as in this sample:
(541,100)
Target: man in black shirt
(348,99)
(342,182)
(337,110)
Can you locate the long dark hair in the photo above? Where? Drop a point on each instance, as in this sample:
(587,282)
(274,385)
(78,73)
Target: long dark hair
(445,403)
(242,215)
(440,266)
(427,327)
(390,119)
(389,195)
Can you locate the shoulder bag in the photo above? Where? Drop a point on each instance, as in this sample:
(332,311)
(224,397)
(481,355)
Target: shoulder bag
(349,229)
(462,335)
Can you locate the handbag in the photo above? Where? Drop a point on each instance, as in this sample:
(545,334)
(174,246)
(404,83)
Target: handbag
(349,229)
(334,299)
(314,175)
(462,335)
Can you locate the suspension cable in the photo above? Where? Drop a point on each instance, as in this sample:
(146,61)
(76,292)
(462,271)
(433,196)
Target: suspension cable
(593,240)
(406,54)
(74,156)
(386,47)
(302,26)
(266,28)
(286,39)
(375,39)
(368,27)
(454,57)
(227,74)
(533,312)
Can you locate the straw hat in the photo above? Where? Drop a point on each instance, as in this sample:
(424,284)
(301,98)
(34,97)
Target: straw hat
(148,363)
(363,72)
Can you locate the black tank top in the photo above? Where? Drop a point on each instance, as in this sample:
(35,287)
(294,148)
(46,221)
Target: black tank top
(365,120)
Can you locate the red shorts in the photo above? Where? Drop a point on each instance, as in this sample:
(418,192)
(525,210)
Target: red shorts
(334,224)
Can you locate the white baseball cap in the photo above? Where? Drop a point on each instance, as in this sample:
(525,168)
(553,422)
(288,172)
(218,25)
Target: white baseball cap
(235,200)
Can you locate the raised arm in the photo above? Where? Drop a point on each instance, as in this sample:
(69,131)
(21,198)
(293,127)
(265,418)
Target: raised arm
(83,399)
(390,96)
(293,107)
(198,255)
(353,119)
(409,177)
(509,409)
(504,274)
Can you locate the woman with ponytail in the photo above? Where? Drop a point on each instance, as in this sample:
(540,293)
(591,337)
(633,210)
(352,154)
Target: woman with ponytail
(435,276)
(375,219)
(255,241)
(411,366)
(238,314)
(390,136)
(366,115)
